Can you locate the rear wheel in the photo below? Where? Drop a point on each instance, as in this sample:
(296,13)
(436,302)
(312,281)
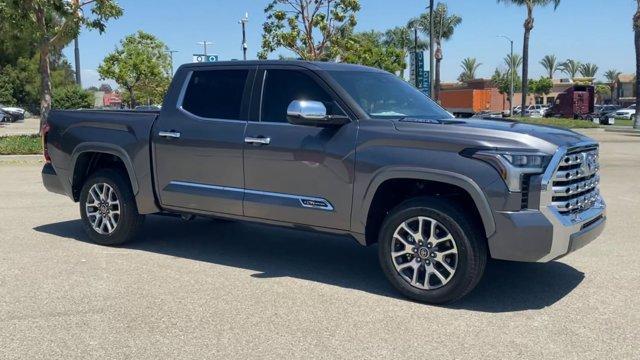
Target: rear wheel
(431,251)
(108,209)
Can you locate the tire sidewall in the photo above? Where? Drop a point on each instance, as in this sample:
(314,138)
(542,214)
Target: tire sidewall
(128,210)
(458,284)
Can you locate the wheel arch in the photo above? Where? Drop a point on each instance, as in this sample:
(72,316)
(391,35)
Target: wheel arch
(443,180)
(85,154)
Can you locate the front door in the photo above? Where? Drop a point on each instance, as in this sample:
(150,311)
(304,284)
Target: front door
(294,173)
(198,145)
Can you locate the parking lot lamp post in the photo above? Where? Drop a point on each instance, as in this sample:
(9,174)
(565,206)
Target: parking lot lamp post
(511,71)
(244,22)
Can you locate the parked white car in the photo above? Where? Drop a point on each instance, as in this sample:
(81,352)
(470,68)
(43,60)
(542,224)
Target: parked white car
(627,113)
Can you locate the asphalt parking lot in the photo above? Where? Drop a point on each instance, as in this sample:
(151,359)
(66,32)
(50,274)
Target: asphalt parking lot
(204,289)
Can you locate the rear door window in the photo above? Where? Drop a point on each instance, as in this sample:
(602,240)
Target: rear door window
(216,94)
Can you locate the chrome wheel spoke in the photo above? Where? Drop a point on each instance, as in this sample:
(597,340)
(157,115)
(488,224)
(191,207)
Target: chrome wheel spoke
(437,259)
(102,208)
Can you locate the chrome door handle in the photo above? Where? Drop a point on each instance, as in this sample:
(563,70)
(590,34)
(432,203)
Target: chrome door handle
(169,134)
(257,140)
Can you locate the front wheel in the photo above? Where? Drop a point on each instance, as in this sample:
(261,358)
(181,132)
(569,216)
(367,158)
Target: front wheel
(431,250)
(108,209)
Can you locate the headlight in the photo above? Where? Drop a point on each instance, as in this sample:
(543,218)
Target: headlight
(513,165)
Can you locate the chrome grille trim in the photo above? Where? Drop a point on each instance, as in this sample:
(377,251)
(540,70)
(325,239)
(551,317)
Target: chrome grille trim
(575,181)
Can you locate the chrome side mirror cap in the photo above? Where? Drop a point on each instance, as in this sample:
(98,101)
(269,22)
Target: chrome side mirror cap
(314,113)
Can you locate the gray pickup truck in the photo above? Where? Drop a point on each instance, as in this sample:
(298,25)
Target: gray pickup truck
(336,148)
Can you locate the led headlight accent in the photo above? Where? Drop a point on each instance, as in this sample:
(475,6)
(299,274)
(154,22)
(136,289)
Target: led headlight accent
(513,165)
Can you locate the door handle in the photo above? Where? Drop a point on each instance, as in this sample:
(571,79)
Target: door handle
(169,134)
(257,140)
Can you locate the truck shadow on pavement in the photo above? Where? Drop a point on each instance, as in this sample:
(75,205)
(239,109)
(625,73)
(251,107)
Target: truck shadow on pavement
(277,252)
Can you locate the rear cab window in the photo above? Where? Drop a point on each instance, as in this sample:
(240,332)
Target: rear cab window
(216,94)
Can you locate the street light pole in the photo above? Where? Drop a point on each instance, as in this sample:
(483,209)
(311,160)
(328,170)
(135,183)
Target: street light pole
(204,44)
(511,72)
(171,52)
(416,66)
(77,59)
(244,22)
(431,85)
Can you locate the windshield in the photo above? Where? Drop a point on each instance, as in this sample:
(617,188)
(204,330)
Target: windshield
(386,96)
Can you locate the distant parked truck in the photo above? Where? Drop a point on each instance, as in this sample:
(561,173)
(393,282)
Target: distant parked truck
(467,102)
(576,102)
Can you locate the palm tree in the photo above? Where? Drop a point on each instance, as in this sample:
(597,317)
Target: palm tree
(589,70)
(550,63)
(528,26)
(513,62)
(571,67)
(612,77)
(402,38)
(469,67)
(636,31)
(444,25)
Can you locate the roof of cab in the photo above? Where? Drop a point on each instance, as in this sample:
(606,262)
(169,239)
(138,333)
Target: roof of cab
(312,65)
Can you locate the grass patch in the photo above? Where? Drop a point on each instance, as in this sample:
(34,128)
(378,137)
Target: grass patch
(559,122)
(20,145)
(623,122)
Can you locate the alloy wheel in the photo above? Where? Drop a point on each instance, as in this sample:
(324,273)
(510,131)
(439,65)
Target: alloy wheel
(103,208)
(424,253)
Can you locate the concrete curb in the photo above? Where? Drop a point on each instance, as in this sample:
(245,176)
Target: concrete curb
(629,130)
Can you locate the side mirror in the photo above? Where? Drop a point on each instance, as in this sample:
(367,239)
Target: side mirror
(314,113)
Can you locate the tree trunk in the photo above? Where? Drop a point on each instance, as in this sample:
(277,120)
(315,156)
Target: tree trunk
(528,26)
(636,27)
(436,87)
(132,98)
(45,71)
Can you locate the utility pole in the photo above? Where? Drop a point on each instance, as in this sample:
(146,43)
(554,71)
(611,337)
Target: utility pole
(244,22)
(204,44)
(171,52)
(416,66)
(431,85)
(77,58)
(511,73)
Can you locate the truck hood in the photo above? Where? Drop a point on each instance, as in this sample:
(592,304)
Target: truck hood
(496,133)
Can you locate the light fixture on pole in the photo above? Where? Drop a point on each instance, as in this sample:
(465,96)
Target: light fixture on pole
(244,22)
(204,44)
(171,52)
(511,75)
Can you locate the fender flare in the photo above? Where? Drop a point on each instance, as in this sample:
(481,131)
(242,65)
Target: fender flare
(105,148)
(447,177)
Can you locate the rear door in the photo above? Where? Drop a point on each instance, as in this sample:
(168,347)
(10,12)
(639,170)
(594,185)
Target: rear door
(302,174)
(198,142)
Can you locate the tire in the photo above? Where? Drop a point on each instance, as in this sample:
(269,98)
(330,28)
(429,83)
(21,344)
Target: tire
(467,239)
(127,222)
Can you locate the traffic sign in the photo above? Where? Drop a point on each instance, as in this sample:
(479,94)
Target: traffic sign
(201,58)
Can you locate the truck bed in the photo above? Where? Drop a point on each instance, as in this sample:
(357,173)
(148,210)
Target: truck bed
(74,135)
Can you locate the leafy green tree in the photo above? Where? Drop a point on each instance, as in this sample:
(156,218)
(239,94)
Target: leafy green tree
(469,67)
(6,92)
(550,64)
(72,97)
(603,91)
(444,27)
(541,86)
(55,23)
(528,26)
(502,81)
(612,78)
(513,62)
(140,65)
(589,70)
(368,48)
(401,38)
(312,29)
(571,67)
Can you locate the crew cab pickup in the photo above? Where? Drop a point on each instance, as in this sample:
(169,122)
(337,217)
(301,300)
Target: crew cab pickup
(336,148)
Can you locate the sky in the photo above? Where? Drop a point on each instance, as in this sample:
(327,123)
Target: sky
(595,31)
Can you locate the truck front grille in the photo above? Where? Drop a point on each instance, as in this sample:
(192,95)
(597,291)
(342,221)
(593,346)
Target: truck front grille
(575,184)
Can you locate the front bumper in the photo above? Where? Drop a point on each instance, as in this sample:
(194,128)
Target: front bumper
(542,236)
